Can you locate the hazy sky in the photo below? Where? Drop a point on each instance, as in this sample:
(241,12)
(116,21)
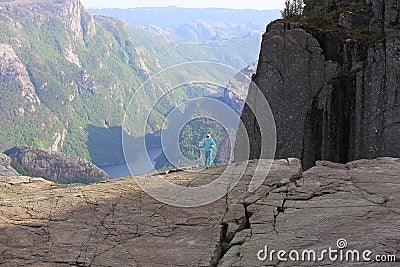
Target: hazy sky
(235,4)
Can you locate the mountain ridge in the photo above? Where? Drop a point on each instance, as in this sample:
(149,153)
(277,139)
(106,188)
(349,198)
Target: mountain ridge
(194,24)
(139,16)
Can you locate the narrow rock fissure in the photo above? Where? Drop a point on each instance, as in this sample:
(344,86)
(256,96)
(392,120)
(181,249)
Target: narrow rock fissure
(226,237)
(248,214)
(279,209)
(221,247)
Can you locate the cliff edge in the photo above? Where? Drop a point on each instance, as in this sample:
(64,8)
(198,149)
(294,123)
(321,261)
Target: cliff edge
(115,223)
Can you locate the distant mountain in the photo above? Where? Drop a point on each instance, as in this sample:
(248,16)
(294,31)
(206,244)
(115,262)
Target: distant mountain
(194,24)
(202,31)
(237,52)
(172,17)
(176,35)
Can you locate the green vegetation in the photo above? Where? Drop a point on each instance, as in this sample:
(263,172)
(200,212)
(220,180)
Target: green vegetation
(292,8)
(326,18)
(192,134)
(195,131)
(92,90)
(85,80)
(19,125)
(23,171)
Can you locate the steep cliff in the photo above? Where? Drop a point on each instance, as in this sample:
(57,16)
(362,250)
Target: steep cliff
(331,78)
(55,166)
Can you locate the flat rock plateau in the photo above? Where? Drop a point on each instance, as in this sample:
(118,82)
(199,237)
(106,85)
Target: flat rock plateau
(115,223)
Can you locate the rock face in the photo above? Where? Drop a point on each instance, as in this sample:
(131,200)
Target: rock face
(332,81)
(5,168)
(116,223)
(54,165)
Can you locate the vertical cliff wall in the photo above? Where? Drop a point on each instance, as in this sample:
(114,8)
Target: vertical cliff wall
(332,79)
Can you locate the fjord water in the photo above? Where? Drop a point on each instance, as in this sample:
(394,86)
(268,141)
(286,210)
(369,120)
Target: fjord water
(138,167)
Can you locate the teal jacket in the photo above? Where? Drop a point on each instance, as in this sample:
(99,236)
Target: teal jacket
(208,144)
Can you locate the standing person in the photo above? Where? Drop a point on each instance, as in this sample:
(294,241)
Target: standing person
(208,145)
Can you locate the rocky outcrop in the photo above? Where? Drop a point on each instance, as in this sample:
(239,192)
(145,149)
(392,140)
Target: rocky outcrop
(332,81)
(56,166)
(116,223)
(5,167)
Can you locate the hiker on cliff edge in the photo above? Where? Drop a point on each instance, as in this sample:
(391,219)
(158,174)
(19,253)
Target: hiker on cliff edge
(208,145)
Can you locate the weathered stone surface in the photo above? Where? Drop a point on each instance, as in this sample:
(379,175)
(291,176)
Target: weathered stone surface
(55,165)
(333,91)
(358,203)
(5,168)
(11,186)
(115,223)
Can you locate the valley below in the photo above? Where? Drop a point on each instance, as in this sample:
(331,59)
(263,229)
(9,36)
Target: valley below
(68,75)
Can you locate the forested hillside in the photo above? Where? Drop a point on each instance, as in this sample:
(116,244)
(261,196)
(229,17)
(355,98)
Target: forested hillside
(66,76)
